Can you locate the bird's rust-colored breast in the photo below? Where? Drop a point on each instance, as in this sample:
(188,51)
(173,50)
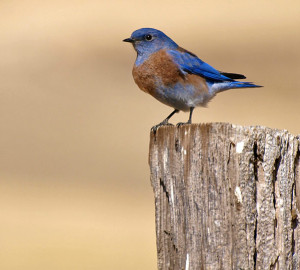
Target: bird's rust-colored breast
(159,72)
(158,67)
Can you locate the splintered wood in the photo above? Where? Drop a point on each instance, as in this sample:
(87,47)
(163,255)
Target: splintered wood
(226,197)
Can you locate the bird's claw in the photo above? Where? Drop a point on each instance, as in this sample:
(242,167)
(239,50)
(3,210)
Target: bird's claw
(154,128)
(182,124)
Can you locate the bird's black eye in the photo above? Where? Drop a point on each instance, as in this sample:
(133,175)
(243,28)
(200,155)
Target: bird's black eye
(148,37)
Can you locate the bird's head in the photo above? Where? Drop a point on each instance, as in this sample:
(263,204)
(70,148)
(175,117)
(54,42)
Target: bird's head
(149,40)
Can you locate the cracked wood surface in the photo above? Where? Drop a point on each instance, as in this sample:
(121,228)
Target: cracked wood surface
(226,197)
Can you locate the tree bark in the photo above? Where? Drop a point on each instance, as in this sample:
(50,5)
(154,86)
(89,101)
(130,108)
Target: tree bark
(226,197)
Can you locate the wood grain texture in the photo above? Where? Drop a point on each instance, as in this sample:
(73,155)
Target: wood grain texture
(226,197)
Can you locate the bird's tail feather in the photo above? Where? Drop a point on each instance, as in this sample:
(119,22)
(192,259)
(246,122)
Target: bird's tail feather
(233,75)
(237,84)
(223,86)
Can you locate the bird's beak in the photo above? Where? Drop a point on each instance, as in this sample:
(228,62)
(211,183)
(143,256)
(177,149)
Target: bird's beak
(128,40)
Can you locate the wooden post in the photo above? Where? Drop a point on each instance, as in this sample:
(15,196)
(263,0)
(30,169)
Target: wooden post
(226,197)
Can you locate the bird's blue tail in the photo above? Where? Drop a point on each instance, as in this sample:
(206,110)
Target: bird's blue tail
(226,85)
(237,84)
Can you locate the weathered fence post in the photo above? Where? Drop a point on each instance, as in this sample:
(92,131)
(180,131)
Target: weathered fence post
(226,197)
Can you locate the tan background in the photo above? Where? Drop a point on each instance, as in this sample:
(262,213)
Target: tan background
(74,128)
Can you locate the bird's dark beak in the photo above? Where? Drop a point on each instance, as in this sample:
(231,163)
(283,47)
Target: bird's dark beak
(128,40)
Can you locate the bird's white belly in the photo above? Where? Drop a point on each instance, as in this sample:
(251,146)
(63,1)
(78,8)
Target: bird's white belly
(181,97)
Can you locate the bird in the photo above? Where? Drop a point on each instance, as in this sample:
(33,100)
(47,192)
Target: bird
(175,76)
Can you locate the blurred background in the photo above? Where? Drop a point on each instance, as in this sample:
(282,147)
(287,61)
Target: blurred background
(74,128)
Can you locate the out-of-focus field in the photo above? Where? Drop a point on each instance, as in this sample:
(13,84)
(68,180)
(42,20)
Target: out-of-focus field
(74,128)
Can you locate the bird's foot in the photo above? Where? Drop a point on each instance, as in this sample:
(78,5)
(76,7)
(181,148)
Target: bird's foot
(183,123)
(163,123)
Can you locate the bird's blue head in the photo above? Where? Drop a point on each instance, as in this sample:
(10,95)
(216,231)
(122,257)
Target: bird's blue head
(149,40)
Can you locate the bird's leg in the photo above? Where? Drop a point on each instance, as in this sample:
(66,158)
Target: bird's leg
(165,122)
(190,118)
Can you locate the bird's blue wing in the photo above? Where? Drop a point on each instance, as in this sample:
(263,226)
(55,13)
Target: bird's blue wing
(190,63)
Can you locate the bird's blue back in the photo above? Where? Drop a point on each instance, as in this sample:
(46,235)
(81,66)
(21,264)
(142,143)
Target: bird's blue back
(191,64)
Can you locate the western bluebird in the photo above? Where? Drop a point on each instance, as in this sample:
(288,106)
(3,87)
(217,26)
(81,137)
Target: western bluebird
(175,76)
